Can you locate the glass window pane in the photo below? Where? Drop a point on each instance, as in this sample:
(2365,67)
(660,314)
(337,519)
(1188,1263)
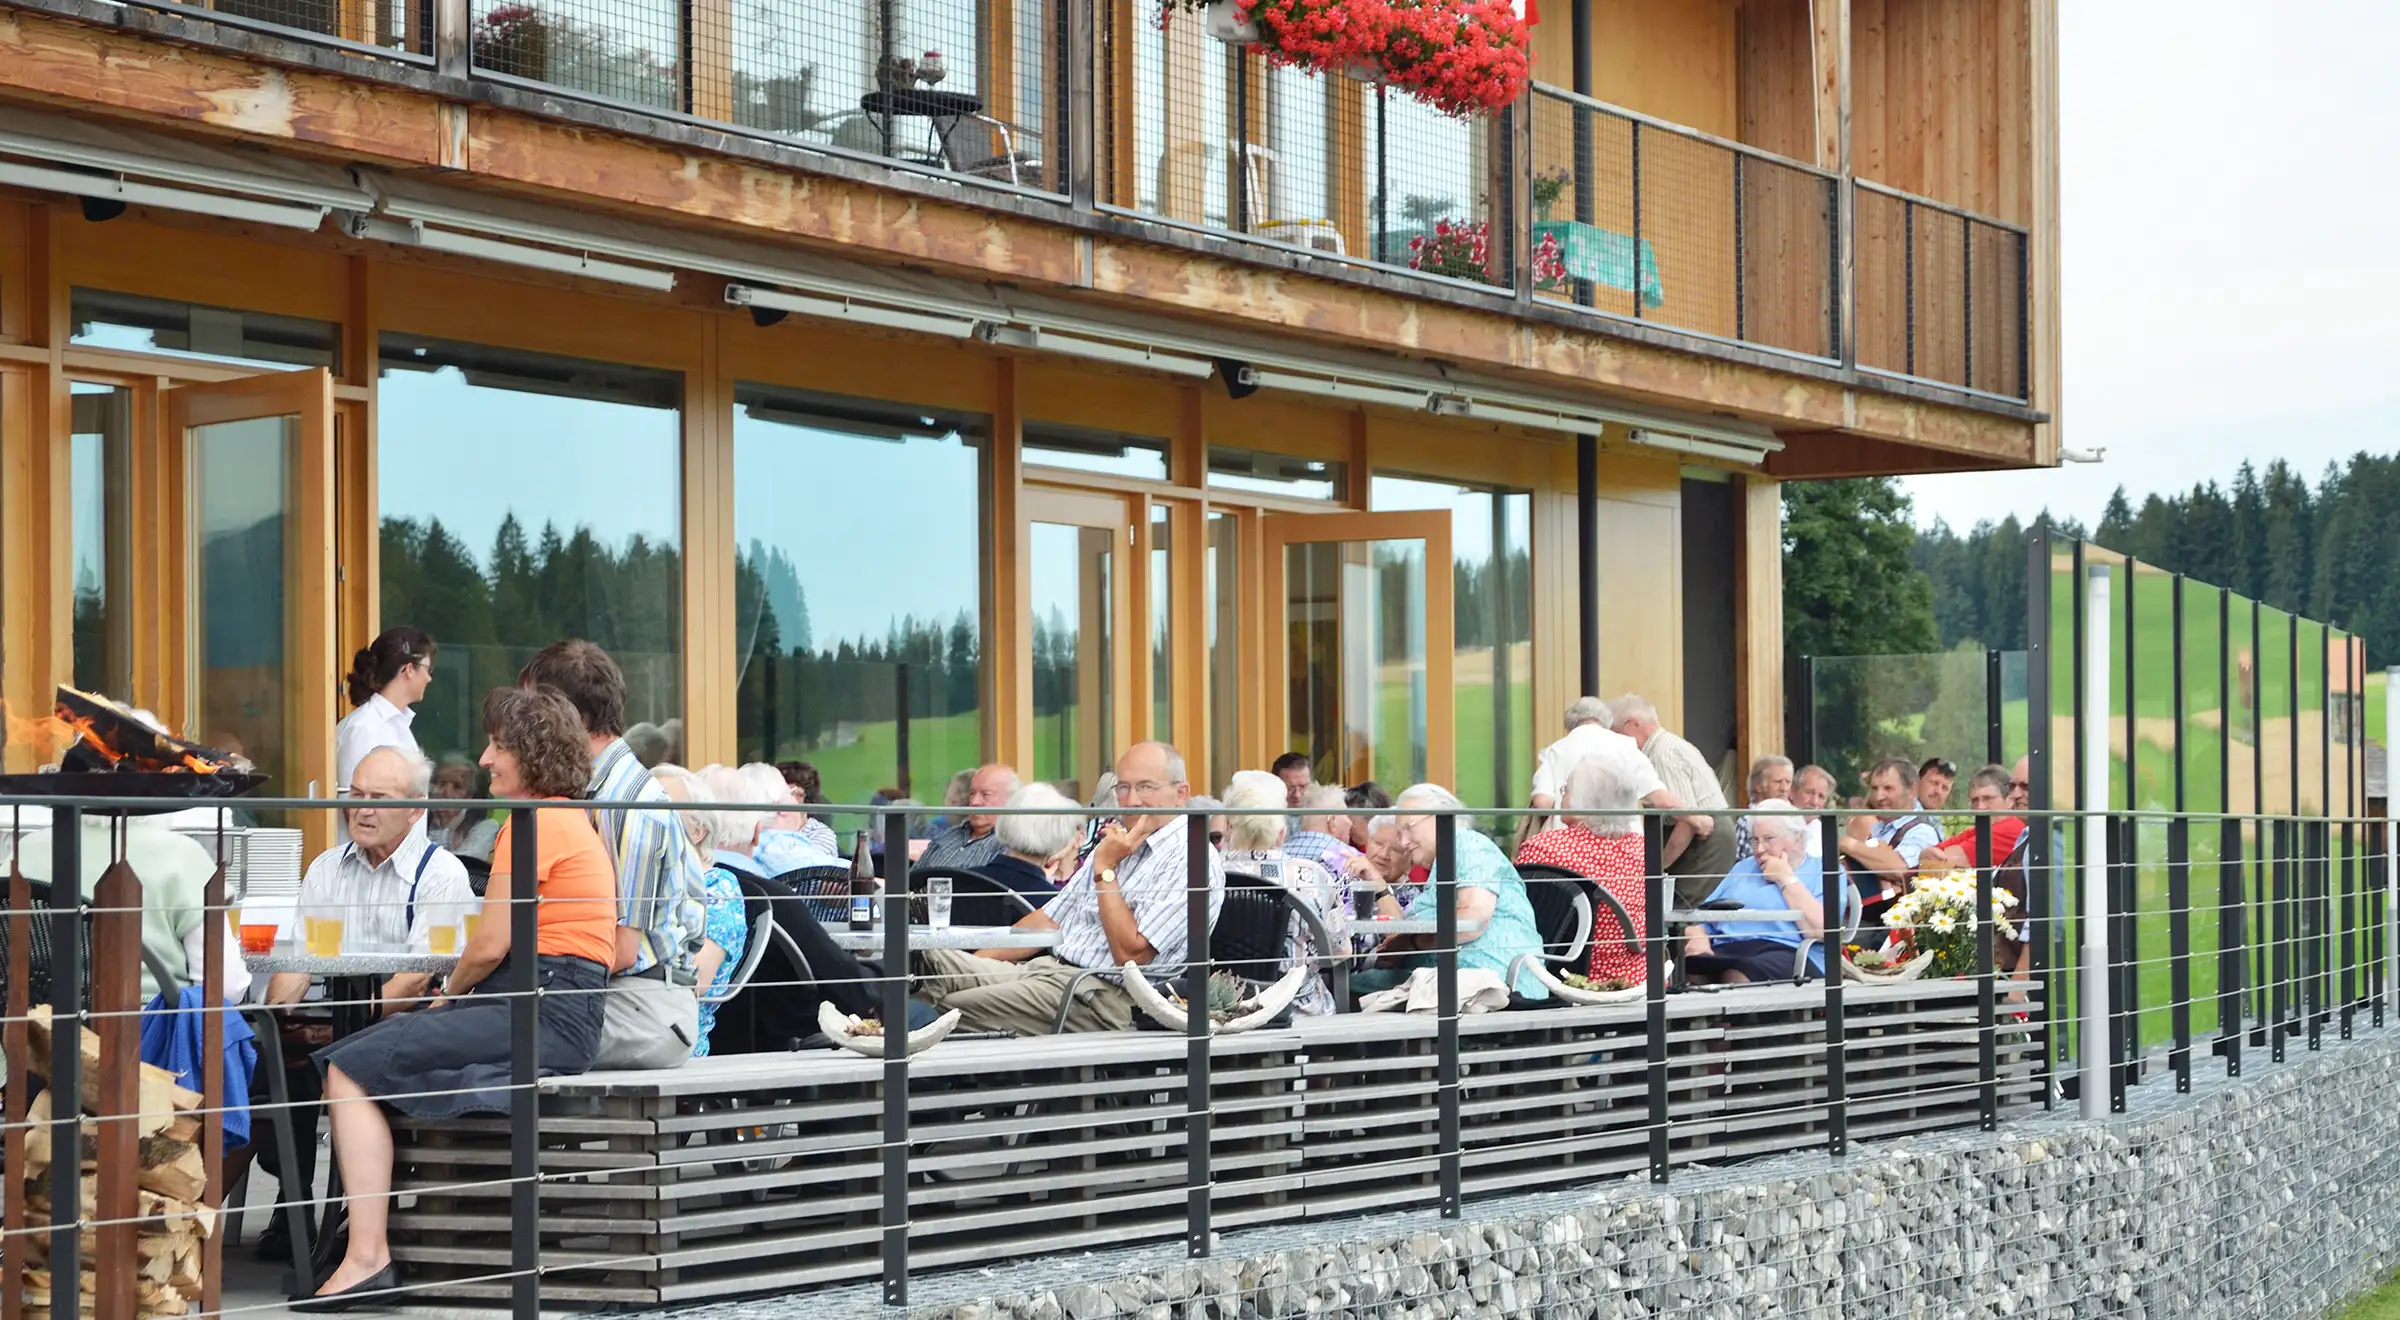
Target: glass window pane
(208,334)
(1162,676)
(1491,546)
(1354,612)
(242,496)
(1073,670)
(1274,474)
(861,651)
(1224,588)
(527,498)
(1048,444)
(100,459)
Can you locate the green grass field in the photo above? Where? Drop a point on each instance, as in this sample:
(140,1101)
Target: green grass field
(2381,1304)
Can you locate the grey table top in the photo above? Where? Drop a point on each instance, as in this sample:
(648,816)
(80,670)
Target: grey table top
(1698,916)
(1410,926)
(949,937)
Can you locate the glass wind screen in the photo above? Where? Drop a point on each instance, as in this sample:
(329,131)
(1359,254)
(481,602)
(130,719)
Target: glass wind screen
(1491,574)
(209,334)
(100,458)
(526,499)
(1354,620)
(241,473)
(2309,729)
(1073,570)
(1114,453)
(2278,699)
(1274,474)
(858,590)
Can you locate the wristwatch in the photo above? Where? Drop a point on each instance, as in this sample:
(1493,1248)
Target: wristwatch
(1108,875)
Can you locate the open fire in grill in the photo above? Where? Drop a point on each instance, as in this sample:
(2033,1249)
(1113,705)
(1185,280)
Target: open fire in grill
(113,752)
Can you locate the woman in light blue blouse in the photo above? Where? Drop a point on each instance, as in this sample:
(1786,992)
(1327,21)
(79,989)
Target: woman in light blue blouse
(1489,892)
(727,839)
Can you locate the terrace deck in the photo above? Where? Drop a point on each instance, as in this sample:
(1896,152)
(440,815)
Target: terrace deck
(754,1173)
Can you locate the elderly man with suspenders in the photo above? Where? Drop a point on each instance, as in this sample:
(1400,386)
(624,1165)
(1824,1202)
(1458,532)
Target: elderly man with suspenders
(391,888)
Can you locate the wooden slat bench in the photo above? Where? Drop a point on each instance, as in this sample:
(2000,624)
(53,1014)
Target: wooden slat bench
(753,1173)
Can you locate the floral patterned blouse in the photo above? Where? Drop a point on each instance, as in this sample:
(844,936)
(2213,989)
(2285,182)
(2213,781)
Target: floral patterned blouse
(1615,860)
(728,929)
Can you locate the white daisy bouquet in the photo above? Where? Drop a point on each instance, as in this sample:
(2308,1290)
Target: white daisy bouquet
(1937,916)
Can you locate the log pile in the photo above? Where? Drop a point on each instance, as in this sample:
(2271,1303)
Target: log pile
(172,1220)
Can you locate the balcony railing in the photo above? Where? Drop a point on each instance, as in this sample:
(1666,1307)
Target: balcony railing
(1560,198)
(1941,294)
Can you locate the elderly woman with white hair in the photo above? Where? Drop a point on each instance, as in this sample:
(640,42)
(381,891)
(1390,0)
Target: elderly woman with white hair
(1490,898)
(728,839)
(1600,838)
(1032,848)
(1255,826)
(1779,875)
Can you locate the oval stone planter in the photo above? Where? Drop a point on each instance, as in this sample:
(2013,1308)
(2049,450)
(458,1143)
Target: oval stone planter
(1907,971)
(1574,995)
(1249,1013)
(842,1030)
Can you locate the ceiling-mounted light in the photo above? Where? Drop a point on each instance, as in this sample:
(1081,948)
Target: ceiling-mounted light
(110,188)
(845,309)
(419,234)
(1538,419)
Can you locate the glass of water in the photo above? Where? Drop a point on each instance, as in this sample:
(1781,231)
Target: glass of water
(937,902)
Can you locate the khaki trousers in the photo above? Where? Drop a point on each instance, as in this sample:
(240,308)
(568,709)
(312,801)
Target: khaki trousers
(1019,997)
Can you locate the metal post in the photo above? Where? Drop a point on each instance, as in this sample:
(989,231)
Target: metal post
(2179,946)
(1741,308)
(1987,1018)
(2232,934)
(1908,285)
(1197,1171)
(2122,1028)
(2388,986)
(66,1060)
(1995,741)
(1635,176)
(895,1057)
(2279,917)
(1837,1025)
(900,730)
(2038,859)
(2316,840)
(1445,983)
(1580,71)
(2024,301)
(2092,1054)
(1587,553)
(1241,156)
(1966,283)
(525,1067)
(1654,921)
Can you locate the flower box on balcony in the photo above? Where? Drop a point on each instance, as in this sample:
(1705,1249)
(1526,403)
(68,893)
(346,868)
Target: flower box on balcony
(1603,257)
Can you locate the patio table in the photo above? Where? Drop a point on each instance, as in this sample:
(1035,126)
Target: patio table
(948,937)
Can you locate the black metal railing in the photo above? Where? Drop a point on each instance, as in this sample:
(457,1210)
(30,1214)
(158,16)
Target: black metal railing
(1942,294)
(788,1161)
(1637,218)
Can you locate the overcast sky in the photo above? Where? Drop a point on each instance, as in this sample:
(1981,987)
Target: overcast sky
(2231,231)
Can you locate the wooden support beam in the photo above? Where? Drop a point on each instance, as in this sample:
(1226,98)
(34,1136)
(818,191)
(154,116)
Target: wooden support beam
(1758,619)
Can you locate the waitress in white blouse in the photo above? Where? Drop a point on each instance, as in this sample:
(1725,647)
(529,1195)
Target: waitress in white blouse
(386,681)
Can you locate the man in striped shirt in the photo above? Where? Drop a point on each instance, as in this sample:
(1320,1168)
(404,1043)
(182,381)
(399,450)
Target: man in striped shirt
(653,1015)
(1126,904)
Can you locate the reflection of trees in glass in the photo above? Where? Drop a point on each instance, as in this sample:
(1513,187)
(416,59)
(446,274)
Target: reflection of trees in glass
(797,698)
(489,616)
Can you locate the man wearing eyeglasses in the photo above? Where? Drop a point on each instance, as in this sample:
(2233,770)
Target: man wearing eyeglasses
(1126,904)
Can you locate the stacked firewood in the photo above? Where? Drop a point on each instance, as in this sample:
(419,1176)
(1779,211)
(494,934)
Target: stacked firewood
(172,1221)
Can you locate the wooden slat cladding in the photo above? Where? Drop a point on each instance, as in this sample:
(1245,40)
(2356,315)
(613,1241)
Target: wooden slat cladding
(746,1173)
(1943,101)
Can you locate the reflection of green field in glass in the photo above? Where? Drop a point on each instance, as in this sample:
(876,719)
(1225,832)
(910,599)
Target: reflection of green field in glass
(1476,779)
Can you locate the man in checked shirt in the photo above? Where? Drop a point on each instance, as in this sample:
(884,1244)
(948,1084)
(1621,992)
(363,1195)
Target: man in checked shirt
(1126,904)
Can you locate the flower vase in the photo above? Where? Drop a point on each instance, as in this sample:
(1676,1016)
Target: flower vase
(1365,71)
(1224,21)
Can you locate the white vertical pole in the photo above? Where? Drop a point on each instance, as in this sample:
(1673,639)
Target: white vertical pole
(2391,813)
(2094,1057)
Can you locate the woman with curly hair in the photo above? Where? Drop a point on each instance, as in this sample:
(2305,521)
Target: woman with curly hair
(453,1058)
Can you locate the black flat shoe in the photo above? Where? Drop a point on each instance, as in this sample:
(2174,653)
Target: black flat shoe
(366,1292)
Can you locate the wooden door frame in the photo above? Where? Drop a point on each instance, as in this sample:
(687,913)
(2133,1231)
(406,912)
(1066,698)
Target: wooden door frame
(1279,531)
(1119,515)
(311,657)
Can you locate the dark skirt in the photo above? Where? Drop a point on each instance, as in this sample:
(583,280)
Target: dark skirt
(452,1060)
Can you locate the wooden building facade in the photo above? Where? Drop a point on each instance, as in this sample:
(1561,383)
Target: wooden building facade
(315,320)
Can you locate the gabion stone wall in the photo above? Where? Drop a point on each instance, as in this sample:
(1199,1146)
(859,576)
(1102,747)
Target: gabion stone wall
(2276,1195)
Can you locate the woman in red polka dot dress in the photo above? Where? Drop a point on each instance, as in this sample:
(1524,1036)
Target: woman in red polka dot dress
(1597,838)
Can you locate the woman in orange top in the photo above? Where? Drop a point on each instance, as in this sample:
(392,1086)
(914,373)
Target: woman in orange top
(453,1058)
